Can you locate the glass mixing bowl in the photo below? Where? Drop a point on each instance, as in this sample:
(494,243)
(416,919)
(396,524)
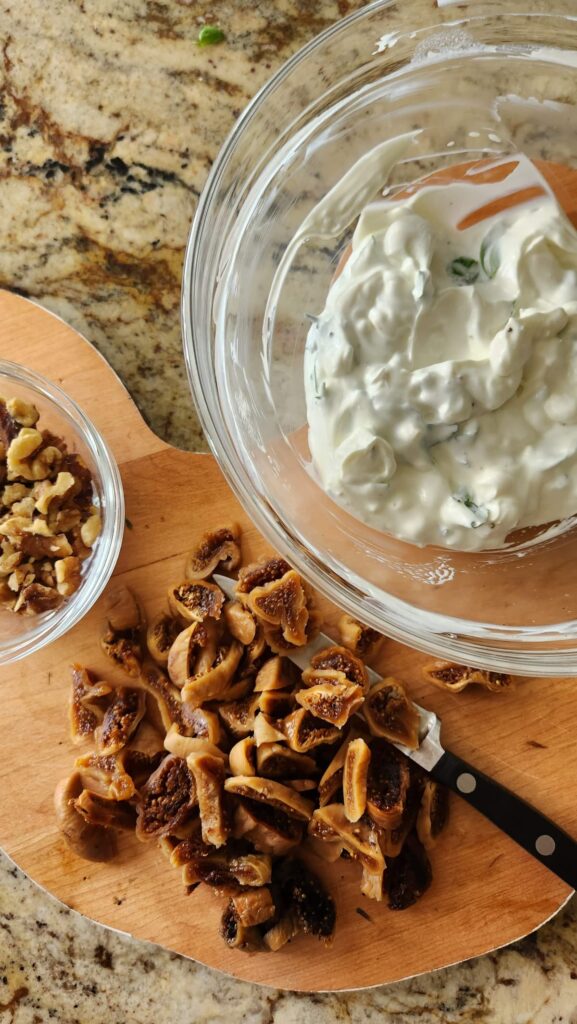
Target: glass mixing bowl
(20,635)
(482,80)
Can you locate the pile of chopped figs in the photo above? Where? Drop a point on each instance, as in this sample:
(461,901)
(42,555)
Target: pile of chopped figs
(48,522)
(254,759)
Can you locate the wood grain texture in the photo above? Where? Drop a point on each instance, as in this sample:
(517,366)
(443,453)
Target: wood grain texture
(486,891)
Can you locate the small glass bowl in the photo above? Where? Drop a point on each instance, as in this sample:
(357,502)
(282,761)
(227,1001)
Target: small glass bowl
(21,635)
(481,79)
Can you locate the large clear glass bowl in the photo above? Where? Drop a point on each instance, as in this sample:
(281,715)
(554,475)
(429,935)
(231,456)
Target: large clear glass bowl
(481,79)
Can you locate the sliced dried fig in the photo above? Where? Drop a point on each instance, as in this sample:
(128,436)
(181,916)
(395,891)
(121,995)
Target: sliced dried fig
(433,812)
(181,745)
(267,730)
(355,773)
(160,636)
(195,601)
(331,699)
(302,785)
(121,720)
(455,678)
(258,574)
(277,796)
(282,932)
(187,649)
(86,711)
(331,825)
(276,761)
(106,775)
(269,830)
(409,875)
(203,724)
(253,906)
(282,603)
(239,715)
(239,622)
(209,772)
(166,800)
(304,731)
(276,703)
(387,785)
(389,713)
(304,895)
(361,640)
(237,935)
(222,868)
(214,684)
(332,779)
(276,674)
(167,699)
(91,842)
(339,659)
(121,637)
(217,549)
(105,812)
(241,757)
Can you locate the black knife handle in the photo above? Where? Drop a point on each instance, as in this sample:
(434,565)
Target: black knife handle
(528,827)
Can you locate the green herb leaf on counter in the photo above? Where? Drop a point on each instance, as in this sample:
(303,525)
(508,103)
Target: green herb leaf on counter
(465,269)
(209,35)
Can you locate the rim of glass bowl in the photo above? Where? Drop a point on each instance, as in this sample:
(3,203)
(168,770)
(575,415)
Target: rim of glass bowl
(107,549)
(483,644)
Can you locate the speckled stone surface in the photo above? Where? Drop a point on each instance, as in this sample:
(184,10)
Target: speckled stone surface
(110,116)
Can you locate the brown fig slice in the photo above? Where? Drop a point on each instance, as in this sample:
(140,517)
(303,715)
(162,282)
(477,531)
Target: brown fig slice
(166,800)
(276,673)
(215,683)
(305,896)
(387,785)
(332,698)
(339,659)
(389,713)
(258,574)
(105,812)
(237,935)
(303,731)
(268,829)
(121,720)
(160,636)
(239,622)
(195,600)
(455,678)
(282,603)
(276,761)
(106,775)
(166,697)
(282,932)
(221,868)
(181,745)
(217,549)
(267,730)
(273,793)
(193,651)
(85,708)
(202,724)
(276,703)
(355,773)
(361,640)
(242,757)
(91,842)
(253,906)
(409,875)
(209,773)
(239,715)
(331,825)
(433,813)
(121,637)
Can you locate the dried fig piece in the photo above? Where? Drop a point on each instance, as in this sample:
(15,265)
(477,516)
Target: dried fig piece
(331,825)
(282,932)
(239,715)
(184,657)
(339,659)
(209,772)
(204,724)
(167,699)
(302,785)
(85,709)
(121,638)
(305,896)
(223,868)
(214,684)
(387,785)
(241,757)
(361,640)
(258,574)
(237,935)
(195,601)
(389,713)
(276,673)
(267,730)
(455,678)
(166,800)
(105,812)
(92,842)
(253,906)
(355,773)
(106,775)
(268,829)
(183,746)
(391,840)
(275,761)
(216,549)
(274,794)
(332,779)
(121,720)
(282,603)
(160,636)
(239,622)
(332,698)
(409,875)
(303,731)
(276,703)
(433,812)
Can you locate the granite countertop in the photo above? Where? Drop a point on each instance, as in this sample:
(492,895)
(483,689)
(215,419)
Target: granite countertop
(110,117)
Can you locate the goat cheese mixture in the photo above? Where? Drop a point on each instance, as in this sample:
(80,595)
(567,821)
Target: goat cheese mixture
(441,375)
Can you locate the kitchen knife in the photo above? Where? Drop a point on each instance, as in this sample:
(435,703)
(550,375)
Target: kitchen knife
(532,830)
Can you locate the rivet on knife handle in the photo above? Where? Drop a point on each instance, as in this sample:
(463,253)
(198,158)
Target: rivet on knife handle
(518,819)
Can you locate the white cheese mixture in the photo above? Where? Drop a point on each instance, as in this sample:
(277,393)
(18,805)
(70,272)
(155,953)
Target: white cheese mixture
(441,376)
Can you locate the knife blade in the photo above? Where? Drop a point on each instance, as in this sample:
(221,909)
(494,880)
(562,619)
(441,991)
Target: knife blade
(537,834)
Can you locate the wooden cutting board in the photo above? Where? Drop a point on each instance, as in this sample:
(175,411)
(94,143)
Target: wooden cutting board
(486,891)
